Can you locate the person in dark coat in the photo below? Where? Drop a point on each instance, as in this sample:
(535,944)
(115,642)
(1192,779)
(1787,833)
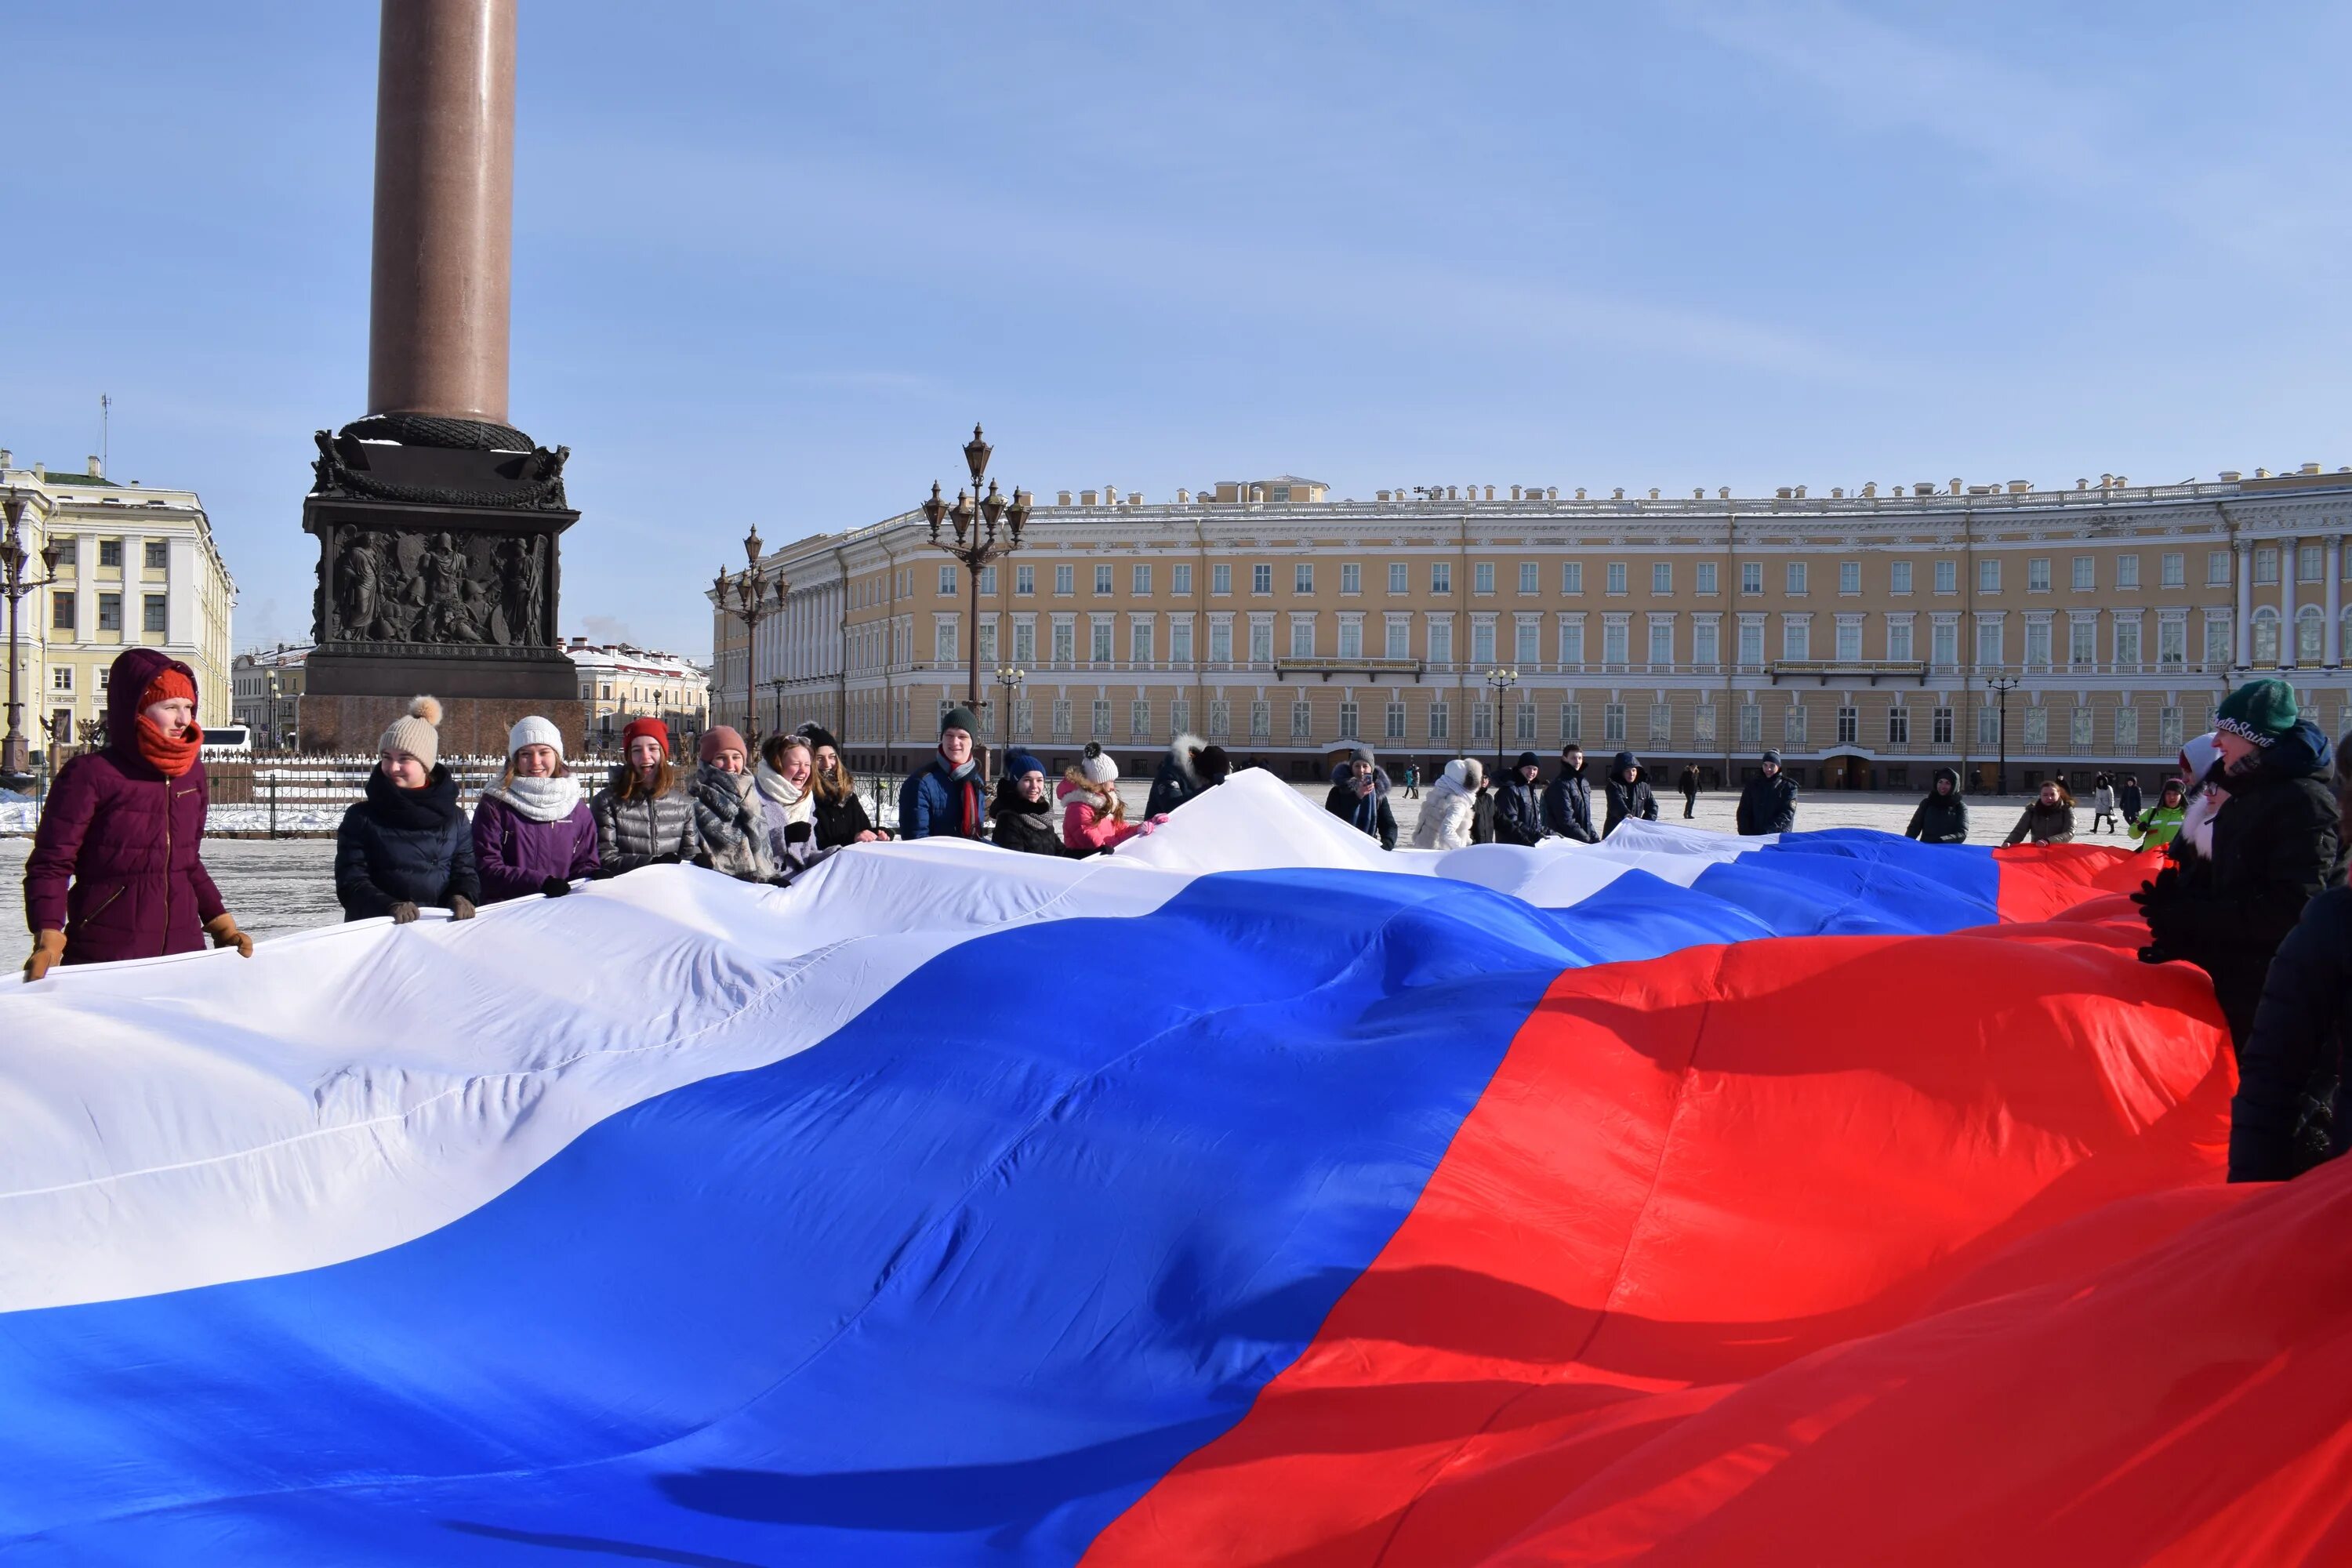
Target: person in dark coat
(944,798)
(1190,766)
(534,832)
(2049,817)
(2128,799)
(1482,812)
(1943,816)
(2290,1112)
(117,869)
(1023,810)
(1690,790)
(841,816)
(644,816)
(1518,802)
(1360,798)
(2247,870)
(1767,802)
(1568,799)
(409,843)
(1629,792)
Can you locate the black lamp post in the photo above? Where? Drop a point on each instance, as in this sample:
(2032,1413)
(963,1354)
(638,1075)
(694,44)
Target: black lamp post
(15,752)
(1500,681)
(1011,678)
(751,590)
(2002,685)
(977,537)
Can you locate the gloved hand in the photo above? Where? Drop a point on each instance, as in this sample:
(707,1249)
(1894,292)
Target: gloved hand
(1160,820)
(2156,953)
(402,912)
(1149,827)
(222,929)
(48,951)
(555,886)
(671,858)
(461,907)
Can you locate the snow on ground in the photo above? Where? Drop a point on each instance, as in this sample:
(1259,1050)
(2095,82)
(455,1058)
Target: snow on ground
(282,885)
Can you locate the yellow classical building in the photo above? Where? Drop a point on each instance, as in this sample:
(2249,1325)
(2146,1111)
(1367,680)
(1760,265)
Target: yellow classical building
(136,564)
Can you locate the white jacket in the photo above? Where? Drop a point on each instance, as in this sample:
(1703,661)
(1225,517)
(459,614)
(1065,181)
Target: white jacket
(1447,811)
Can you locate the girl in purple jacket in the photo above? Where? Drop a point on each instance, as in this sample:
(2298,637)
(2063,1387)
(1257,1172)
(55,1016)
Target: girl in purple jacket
(117,870)
(534,832)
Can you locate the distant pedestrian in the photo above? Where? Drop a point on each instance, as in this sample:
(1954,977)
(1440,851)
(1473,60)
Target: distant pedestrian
(2160,824)
(1412,781)
(1568,799)
(1481,812)
(2103,804)
(117,869)
(1628,793)
(2128,799)
(1943,816)
(1518,802)
(1190,766)
(1767,802)
(1360,797)
(407,845)
(1023,811)
(943,798)
(534,832)
(1448,814)
(645,813)
(2049,817)
(1690,790)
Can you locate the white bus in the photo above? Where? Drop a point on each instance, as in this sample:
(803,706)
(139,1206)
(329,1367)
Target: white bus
(228,738)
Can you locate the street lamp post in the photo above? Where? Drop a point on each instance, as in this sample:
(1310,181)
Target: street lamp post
(1009,678)
(2002,685)
(977,537)
(1500,680)
(14,751)
(751,590)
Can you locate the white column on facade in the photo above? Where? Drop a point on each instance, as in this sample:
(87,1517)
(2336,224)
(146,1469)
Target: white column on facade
(180,595)
(2289,548)
(2333,641)
(2242,633)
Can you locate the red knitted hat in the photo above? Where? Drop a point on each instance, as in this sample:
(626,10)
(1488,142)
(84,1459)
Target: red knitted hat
(651,727)
(171,683)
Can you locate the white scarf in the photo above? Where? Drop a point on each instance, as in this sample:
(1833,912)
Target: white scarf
(540,800)
(799,803)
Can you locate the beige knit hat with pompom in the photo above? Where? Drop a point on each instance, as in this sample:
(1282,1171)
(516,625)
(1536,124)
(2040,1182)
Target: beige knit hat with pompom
(415,734)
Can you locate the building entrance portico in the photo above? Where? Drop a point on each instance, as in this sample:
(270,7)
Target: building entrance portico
(1849,768)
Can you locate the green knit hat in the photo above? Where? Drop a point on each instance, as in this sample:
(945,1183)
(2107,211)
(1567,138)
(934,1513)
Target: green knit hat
(960,718)
(2261,710)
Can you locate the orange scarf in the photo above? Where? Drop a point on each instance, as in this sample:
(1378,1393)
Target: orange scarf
(169,757)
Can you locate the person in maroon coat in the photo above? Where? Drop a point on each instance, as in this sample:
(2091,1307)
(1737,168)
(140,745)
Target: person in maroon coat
(532,831)
(117,869)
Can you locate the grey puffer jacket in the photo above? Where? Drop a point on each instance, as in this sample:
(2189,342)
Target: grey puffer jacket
(634,833)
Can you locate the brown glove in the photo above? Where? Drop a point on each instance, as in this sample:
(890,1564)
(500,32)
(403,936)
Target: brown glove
(402,911)
(48,951)
(222,929)
(461,907)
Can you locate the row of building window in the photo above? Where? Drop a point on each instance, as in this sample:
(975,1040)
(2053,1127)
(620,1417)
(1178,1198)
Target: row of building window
(154,612)
(1796,729)
(2172,571)
(158,555)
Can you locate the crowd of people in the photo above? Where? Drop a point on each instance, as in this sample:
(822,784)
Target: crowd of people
(2248,884)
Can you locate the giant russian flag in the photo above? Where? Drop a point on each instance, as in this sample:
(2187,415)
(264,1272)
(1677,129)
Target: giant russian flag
(1247,1196)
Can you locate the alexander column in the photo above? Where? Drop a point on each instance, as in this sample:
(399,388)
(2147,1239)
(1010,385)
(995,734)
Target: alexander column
(438,522)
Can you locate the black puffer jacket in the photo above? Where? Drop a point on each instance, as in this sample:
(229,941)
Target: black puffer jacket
(1519,810)
(634,833)
(2289,1110)
(1635,799)
(1023,824)
(2274,846)
(404,846)
(839,822)
(1482,817)
(1943,815)
(1769,804)
(1568,806)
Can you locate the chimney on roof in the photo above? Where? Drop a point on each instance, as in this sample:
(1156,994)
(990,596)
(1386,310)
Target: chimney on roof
(6,457)
(40,472)
(1956,487)
(96,466)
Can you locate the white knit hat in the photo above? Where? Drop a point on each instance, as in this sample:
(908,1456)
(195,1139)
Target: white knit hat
(534,730)
(1095,767)
(414,733)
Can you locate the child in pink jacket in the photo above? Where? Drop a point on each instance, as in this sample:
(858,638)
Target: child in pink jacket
(1094,818)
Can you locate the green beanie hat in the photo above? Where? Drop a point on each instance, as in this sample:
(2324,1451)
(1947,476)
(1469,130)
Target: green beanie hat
(960,719)
(2261,710)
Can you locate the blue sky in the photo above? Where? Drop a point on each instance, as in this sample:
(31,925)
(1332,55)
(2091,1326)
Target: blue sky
(771,261)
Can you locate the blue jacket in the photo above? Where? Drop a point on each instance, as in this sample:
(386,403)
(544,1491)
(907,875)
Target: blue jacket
(1568,808)
(928,806)
(404,846)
